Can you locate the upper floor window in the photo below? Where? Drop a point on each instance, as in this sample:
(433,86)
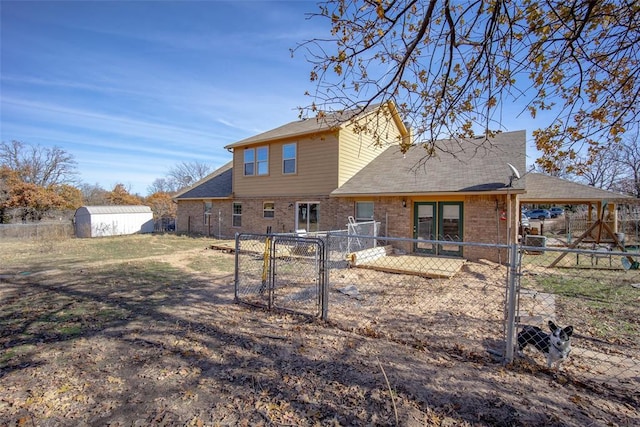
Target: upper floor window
(249,161)
(256,161)
(289,155)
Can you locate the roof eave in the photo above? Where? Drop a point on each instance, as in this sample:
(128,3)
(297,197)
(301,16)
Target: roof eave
(423,193)
(203,198)
(281,137)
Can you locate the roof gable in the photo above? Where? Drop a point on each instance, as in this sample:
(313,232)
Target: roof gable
(321,124)
(215,185)
(465,165)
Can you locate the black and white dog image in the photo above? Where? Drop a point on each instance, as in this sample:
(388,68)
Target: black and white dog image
(556,345)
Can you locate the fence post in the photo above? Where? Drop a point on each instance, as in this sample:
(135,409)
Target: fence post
(511,304)
(236,276)
(324,273)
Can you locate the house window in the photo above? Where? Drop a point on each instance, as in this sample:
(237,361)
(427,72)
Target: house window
(289,158)
(207,212)
(262,154)
(364,211)
(256,161)
(237,215)
(249,161)
(268,210)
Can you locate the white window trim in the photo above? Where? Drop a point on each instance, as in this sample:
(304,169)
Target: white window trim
(264,210)
(245,163)
(295,159)
(234,214)
(259,162)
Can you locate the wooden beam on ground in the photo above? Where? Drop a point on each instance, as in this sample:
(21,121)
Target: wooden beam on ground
(368,255)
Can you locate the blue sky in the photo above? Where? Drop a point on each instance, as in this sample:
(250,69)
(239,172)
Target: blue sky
(132,88)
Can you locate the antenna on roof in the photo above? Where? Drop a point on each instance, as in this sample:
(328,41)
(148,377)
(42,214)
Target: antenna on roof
(514,174)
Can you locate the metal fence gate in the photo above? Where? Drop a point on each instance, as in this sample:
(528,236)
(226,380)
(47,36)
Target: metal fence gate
(281,271)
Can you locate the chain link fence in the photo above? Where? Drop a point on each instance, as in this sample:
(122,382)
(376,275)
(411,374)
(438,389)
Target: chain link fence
(416,299)
(281,271)
(37,230)
(598,293)
(474,310)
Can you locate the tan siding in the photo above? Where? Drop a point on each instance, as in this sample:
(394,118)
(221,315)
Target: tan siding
(317,170)
(357,150)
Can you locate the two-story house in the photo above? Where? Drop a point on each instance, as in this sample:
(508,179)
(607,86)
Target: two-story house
(314,174)
(281,180)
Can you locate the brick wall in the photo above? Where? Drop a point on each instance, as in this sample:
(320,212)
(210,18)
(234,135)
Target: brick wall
(190,218)
(482,225)
(481,220)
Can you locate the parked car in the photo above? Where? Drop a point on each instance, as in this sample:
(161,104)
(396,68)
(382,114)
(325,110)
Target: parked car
(539,214)
(556,212)
(525,226)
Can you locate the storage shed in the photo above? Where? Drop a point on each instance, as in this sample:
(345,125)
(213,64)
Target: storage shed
(98,221)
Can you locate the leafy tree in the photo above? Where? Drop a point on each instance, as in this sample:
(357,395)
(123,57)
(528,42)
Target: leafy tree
(8,179)
(30,201)
(450,67)
(33,201)
(41,166)
(162,206)
(121,196)
(71,195)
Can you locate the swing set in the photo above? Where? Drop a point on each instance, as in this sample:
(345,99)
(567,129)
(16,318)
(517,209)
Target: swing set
(628,262)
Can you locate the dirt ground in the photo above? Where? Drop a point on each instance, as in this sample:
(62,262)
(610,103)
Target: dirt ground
(156,341)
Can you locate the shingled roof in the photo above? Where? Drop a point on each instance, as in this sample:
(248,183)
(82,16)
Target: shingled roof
(550,189)
(463,166)
(216,185)
(325,123)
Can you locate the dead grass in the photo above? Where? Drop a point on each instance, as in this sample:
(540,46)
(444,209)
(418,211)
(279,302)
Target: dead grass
(143,330)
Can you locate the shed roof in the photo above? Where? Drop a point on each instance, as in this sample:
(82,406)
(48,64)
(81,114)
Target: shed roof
(216,185)
(112,209)
(465,165)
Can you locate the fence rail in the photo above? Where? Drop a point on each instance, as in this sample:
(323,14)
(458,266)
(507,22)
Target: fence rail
(37,230)
(461,307)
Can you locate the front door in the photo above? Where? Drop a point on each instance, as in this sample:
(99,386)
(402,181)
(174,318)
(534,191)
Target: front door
(308,217)
(440,221)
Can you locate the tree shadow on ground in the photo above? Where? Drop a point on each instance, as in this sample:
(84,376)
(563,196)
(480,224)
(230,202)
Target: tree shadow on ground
(148,343)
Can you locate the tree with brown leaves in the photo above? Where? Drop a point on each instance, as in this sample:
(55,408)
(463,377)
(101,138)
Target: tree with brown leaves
(454,67)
